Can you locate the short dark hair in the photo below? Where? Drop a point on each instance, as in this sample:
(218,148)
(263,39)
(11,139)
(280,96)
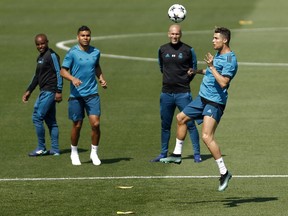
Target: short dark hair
(41,35)
(83,28)
(224,32)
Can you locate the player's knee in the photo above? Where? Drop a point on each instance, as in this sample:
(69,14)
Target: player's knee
(181,118)
(206,138)
(95,125)
(36,118)
(77,125)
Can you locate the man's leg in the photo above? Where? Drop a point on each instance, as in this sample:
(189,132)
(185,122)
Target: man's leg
(167,109)
(194,136)
(75,135)
(76,114)
(182,100)
(182,119)
(208,131)
(92,106)
(75,132)
(41,108)
(95,138)
(51,122)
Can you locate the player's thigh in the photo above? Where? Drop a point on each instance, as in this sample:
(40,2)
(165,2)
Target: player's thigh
(209,126)
(183,99)
(167,108)
(76,110)
(92,106)
(44,103)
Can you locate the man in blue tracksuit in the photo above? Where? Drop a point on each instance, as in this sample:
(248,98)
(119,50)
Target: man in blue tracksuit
(176,59)
(47,76)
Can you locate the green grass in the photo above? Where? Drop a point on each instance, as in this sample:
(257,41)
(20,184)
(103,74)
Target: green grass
(252,134)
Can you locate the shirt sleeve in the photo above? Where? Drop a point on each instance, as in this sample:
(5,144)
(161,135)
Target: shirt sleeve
(194,59)
(56,64)
(33,83)
(160,60)
(67,62)
(230,67)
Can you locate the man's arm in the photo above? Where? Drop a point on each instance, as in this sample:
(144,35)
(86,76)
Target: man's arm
(223,81)
(66,75)
(100,76)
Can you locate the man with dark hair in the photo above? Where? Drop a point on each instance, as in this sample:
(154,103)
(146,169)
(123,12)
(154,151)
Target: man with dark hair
(47,76)
(83,61)
(209,106)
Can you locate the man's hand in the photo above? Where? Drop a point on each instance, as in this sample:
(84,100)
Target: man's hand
(103,83)
(76,82)
(209,59)
(58,97)
(191,72)
(26,96)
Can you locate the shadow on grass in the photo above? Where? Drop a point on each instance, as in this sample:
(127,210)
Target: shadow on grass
(203,156)
(115,160)
(68,151)
(110,161)
(237,201)
(103,161)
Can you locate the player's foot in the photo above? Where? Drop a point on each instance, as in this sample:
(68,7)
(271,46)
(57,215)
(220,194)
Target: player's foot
(157,159)
(38,152)
(197,158)
(75,159)
(95,159)
(224,179)
(54,153)
(173,158)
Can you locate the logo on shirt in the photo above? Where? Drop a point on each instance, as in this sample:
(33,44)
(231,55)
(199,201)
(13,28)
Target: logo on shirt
(229,59)
(40,61)
(180,55)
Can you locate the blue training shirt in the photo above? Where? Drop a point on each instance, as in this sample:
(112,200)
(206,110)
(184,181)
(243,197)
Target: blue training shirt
(226,64)
(82,65)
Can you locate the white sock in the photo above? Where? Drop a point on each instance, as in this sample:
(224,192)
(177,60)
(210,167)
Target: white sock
(74,149)
(178,146)
(221,166)
(94,148)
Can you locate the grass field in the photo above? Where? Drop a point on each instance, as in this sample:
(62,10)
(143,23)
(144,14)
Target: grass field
(252,133)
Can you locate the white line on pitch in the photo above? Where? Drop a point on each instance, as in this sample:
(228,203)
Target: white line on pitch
(137,177)
(62,45)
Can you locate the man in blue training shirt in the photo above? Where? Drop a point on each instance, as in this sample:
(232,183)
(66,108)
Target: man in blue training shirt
(209,106)
(47,76)
(175,60)
(83,62)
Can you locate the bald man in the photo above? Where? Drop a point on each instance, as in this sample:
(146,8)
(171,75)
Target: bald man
(176,59)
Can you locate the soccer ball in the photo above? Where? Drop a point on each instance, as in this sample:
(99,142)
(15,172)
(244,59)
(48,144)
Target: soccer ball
(177,13)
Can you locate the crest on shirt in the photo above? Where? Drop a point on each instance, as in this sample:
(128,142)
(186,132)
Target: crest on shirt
(41,61)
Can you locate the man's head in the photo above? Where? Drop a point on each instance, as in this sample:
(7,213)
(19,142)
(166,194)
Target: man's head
(174,33)
(221,38)
(84,36)
(41,42)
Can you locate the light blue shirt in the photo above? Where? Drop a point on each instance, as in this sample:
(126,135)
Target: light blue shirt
(226,64)
(82,65)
